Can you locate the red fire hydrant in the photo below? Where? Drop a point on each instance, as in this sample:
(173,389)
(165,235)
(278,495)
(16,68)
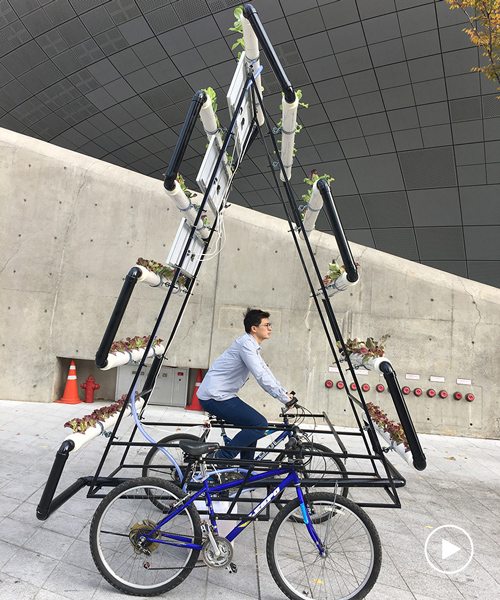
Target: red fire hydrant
(89,386)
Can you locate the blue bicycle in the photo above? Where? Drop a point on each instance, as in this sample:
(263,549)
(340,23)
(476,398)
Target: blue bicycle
(317,459)
(146,534)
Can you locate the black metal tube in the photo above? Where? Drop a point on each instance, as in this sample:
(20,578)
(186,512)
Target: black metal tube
(44,506)
(66,495)
(338,231)
(154,369)
(175,162)
(419,460)
(250,13)
(101,357)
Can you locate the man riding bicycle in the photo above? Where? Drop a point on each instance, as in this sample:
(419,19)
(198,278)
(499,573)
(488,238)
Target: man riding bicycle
(229,373)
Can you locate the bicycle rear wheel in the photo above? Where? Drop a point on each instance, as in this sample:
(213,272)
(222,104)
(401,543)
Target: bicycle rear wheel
(353,553)
(157,464)
(325,465)
(122,554)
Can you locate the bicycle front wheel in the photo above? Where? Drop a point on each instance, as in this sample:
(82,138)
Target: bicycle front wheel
(352,553)
(127,549)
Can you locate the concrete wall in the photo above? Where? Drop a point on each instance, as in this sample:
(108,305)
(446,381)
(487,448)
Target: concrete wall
(73,226)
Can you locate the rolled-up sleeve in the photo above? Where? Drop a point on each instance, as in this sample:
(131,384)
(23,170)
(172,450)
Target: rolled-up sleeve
(250,354)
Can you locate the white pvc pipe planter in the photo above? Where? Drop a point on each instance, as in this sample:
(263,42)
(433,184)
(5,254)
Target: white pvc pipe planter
(209,120)
(312,209)
(340,285)
(399,448)
(188,210)
(123,358)
(80,439)
(372,364)
(252,59)
(153,279)
(288,127)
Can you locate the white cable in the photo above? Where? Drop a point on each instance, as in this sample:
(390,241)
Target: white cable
(221,239)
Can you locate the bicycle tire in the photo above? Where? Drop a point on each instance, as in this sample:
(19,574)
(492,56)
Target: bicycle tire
(354,552)
(157,464)
(122,557)
(330,463)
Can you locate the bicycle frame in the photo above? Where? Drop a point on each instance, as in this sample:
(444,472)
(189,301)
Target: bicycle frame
(282,436)
(292,478)
(260,457)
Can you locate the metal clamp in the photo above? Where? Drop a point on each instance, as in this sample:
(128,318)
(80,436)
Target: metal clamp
(105,433)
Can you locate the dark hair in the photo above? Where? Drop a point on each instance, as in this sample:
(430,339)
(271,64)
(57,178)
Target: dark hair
(253,317)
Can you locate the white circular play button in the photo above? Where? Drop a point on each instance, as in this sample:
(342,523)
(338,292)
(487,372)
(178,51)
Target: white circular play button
(449,549)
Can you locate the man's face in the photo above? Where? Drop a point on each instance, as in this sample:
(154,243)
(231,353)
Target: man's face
(263,331)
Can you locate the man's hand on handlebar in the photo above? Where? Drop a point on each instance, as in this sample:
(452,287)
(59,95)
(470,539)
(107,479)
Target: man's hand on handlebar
(291,403)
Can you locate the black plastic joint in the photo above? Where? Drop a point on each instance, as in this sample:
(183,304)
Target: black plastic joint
(197,102)
(386,367)
(251,15)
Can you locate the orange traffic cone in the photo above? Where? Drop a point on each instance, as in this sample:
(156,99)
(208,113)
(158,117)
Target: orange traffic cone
(71,390)
(195,403)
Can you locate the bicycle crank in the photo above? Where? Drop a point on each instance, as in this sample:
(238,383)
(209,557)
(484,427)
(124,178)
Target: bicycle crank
(220,558)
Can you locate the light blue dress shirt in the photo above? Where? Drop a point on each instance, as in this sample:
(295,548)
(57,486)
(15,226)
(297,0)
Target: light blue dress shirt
(229,373)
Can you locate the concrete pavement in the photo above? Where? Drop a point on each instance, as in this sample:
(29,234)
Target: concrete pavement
(51,560)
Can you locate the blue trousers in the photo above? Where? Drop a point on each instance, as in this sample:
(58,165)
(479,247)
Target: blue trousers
(238,413)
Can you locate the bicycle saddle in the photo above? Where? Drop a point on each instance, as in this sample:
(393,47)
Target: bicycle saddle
(196,448)
(216,419)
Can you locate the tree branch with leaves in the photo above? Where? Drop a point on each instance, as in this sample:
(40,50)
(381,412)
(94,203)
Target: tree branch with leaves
(484,32)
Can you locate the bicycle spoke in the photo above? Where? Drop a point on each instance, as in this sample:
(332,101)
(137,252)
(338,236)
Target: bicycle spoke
(131,551)
(350,564)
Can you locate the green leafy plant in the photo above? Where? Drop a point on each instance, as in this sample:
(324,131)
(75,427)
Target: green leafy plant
(184,187)
(334,272)
(395,430)
(238,28)
(189,194)
(210,92)
(132,344)
(204,218)
(311,180)
(369,348)
(298,93)
(299,127)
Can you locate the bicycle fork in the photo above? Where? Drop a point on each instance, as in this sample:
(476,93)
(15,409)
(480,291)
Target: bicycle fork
(305,515)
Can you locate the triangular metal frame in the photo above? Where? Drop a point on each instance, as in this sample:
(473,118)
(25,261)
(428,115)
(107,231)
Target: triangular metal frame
(382,474)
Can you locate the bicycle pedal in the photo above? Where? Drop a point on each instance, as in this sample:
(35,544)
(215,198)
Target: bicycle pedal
(232,568)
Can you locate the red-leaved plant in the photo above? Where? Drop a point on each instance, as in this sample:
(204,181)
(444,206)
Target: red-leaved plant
(132,343)
(369,348)
(159,269)
(395,430)
(100,414)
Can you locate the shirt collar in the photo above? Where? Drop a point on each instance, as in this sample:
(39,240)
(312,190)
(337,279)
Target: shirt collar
(259,348)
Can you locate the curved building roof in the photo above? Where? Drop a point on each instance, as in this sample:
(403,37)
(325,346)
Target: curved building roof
(410,134)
